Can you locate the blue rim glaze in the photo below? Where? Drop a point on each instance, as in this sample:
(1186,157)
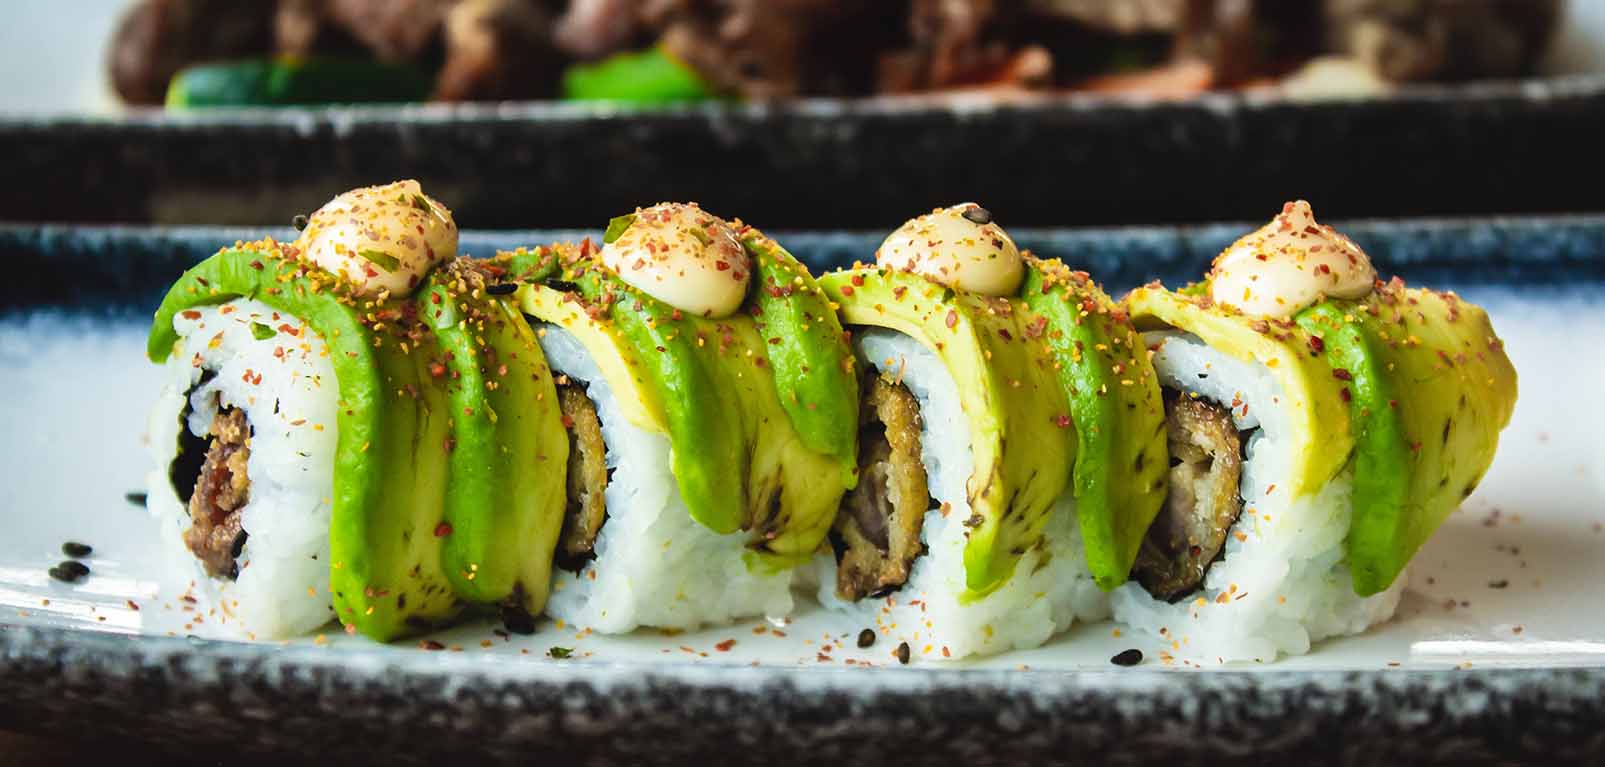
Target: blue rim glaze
(121,269)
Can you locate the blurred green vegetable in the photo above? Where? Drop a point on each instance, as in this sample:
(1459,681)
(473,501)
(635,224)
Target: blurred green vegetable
(651,76)
(290,81)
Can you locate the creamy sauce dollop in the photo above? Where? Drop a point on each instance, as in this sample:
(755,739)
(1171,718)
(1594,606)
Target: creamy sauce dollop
(961,247)
(1289,264)
(381,238)
(683,256)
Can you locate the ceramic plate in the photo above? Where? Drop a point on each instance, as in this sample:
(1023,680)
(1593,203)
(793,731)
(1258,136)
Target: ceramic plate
(1498,649)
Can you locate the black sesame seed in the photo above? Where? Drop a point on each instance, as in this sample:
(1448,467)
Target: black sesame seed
(76,550)
(501,288)
(299,222)
(69,571)
(902,653)
(563,286)
(866,638)
(518,621)
(978,215)
(136,498)
(1127,657)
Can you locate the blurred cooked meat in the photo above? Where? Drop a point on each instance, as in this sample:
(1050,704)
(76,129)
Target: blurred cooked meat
(767,49)
(1127,17)
(591,29)
(1413,40)
(395,30)
(1248,40)
(156,38)
(498,49)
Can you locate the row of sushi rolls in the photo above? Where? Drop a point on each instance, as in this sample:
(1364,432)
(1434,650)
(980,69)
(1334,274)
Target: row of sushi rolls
(956,443)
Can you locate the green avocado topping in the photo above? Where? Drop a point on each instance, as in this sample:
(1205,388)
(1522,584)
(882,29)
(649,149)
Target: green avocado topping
(505,495)
(1409,388)
(812,361)
(1022,433)
(1120,467)
(390,471)
(713,388)
(1428,388)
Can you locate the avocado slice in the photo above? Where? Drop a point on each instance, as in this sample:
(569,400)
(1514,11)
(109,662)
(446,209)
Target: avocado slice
(288,81)
(390,468)
(1319,434)
(505,495)
(1120,466)
(1428,388)
(650,76)
(711,387)
(813,364)
(1021,429)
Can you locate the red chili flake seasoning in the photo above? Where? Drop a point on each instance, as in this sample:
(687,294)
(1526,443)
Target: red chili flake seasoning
(1062,420)
(430,644)
(443,529)
(952,318)
(190,314)
(847,290)
(725,645)
(1344,394)
(1342,375)
(1317,345)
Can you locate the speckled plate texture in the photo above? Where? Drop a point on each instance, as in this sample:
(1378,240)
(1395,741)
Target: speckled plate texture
(1497,654)
(1055,161)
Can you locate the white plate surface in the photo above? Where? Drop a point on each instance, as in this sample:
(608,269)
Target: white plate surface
(1512,579)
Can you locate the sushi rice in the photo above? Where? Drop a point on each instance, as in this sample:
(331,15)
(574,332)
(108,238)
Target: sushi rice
(1281,583)
(1051,587)
(655,565)
(288,390)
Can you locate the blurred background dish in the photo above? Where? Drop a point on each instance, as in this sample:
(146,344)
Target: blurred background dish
(93,56)
(689,50)
(801,113)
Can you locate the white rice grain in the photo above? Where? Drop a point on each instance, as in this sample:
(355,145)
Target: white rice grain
(1039,601)
(655,565)
(1283,585)
(288,390)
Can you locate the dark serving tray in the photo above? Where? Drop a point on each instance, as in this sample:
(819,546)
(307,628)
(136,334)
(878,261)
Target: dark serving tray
(1064,161)
(396,705)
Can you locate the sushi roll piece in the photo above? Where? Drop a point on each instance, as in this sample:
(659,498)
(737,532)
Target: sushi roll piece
(1321,424)
(355,428)
(711,401)
(1011,447)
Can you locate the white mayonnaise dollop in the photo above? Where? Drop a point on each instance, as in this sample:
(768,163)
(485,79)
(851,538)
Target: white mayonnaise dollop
(381,238)
(683,256)
(960,247)
(1288,264)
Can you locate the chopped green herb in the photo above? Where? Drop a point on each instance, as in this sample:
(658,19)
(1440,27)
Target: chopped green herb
(422,204)
(559,653)
(262,332)
(616,227)
(701,235)
(388,262)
